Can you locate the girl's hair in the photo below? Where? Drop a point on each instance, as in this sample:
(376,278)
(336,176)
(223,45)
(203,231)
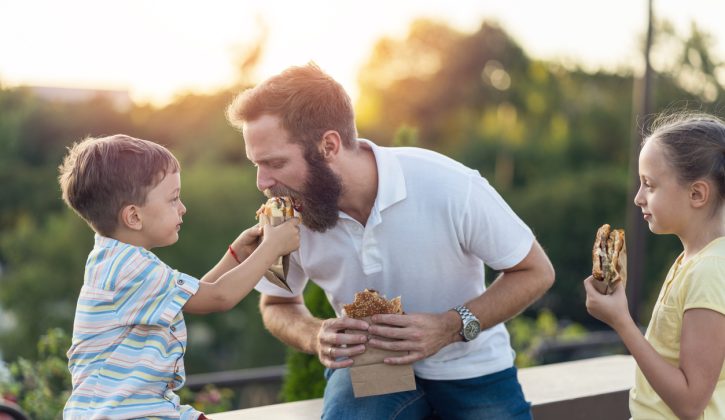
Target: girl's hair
(99,176)
(694,144)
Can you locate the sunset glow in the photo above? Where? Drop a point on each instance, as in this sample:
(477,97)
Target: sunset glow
(158,49)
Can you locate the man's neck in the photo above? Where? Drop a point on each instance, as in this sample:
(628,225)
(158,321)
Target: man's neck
(359,175)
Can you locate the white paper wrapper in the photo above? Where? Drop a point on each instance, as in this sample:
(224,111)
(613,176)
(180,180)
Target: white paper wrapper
(277,273)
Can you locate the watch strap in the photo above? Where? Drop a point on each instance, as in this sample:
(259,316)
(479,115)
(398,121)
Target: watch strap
(466,316)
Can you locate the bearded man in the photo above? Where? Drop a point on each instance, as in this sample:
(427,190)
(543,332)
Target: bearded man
(406,222)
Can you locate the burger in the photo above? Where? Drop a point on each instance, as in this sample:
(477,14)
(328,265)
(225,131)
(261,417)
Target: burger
(369,302)
(275,211)
(609,259)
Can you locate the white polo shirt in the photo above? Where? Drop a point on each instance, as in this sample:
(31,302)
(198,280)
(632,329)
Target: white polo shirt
(434,225)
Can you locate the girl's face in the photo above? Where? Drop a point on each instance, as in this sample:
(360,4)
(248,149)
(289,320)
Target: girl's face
(663,199)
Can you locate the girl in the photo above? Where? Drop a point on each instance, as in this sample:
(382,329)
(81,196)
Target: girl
(680,358)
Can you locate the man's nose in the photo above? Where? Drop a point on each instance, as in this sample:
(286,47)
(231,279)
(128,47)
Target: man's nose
(182,209)
(264,180)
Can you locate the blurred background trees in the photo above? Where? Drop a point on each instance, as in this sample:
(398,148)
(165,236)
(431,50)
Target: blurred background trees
(552,138)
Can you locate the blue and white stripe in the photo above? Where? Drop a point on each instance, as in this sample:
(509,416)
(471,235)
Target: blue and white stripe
(129,336)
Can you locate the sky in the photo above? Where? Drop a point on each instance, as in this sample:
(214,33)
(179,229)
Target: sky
(156,49)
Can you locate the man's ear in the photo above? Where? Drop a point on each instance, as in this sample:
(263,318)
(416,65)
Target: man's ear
(131,217)
(699,193)
(330,144)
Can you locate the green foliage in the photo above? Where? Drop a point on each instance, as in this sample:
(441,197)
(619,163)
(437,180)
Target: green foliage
(46,260)
(406,137)
(209,400)
(41,387)
(572,208)
(305,374)
(528,334)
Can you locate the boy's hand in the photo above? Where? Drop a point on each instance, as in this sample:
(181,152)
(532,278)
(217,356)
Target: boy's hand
(610,309)
(247,241)
(284,238)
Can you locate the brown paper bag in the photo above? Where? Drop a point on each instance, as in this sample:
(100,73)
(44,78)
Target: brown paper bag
(277,273)
(370,376)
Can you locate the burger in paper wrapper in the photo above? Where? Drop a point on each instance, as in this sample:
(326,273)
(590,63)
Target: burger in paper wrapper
(369,375)
(369,302)
(274,212)
(609,259)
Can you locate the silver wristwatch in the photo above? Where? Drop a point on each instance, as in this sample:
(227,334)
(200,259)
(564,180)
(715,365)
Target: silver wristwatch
(470,324)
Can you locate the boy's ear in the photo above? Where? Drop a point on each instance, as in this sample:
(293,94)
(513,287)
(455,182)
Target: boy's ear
(131,217)
(330,144)
(699,193)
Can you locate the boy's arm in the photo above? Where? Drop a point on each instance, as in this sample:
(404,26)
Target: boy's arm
(228,282)
(243,246)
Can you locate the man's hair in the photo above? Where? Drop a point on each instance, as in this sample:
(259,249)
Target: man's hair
(307,100)
(99,176)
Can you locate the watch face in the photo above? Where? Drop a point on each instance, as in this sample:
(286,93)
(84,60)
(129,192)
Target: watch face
(471,330)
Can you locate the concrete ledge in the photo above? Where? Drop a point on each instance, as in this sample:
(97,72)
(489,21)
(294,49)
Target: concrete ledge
(590,389)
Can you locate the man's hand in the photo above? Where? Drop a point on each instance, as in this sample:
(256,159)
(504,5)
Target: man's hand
(421,335)
(333,343)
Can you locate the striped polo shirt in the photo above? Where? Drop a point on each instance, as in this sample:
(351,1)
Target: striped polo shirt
(129,336)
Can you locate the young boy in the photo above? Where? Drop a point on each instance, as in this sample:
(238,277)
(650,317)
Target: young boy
(129,335)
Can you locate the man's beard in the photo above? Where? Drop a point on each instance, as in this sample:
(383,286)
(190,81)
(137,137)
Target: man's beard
(318,201)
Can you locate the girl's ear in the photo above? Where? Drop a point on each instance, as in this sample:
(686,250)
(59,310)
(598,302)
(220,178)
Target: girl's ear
(131,217)
(699,193)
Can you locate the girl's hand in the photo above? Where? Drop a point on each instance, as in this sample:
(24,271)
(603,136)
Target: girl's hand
(285,237)
(247,241)
(610,309)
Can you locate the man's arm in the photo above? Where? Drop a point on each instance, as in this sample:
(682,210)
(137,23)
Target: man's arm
(514,289)
(289,320)
(422,335)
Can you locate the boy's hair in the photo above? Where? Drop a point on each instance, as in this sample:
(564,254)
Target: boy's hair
(308,101)
(99,176)
(694,144)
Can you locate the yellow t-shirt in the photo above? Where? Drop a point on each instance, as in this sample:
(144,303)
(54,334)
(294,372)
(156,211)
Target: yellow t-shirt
(698,283)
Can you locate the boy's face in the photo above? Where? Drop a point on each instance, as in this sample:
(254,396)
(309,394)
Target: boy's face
(161,214)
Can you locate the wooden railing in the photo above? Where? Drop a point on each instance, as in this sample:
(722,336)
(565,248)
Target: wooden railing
(589,389)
